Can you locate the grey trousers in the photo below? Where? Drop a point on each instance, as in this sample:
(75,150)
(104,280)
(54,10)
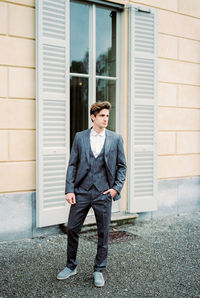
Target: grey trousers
(101,205)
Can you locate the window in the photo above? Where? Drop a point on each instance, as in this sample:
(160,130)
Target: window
(94,62)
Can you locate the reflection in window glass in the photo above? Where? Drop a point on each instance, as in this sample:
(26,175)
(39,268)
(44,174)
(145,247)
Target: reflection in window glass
(105,42)
(106,90)
(78,105)
(79,37)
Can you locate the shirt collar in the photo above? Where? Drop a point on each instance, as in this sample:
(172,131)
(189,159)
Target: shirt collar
(94,133)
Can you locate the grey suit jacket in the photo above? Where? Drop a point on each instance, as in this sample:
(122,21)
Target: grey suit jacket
(115,161)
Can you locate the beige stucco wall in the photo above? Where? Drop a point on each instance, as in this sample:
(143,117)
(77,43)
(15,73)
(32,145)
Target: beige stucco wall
(17,96)
(178,91)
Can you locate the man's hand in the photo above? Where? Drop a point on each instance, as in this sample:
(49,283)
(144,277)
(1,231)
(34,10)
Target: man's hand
(70,198)
(112,192)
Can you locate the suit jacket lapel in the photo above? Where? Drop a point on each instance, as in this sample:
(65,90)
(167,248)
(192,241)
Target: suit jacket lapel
(87,144)
(107,145)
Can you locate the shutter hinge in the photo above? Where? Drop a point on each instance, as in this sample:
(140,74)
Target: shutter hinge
(144,10)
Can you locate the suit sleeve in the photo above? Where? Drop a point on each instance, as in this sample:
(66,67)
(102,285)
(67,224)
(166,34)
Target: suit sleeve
(120,176)
(72,167)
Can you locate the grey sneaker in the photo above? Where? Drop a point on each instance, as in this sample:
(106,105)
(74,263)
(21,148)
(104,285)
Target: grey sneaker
(66,272)
(98,279)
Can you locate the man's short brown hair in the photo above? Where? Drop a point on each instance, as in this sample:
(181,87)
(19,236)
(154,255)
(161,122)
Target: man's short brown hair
(98,106)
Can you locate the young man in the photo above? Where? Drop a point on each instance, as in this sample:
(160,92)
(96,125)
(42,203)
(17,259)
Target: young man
(95,176)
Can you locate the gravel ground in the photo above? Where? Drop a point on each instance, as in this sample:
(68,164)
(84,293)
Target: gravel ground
(163,261)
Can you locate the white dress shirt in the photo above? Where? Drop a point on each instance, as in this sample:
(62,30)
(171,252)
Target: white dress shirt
(97,141)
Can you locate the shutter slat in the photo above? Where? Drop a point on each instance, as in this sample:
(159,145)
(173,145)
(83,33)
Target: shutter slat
(143,109)
(144,27)
(52,99)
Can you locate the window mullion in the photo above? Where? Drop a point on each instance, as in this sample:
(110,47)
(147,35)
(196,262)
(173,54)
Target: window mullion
(92,58)
(118,72)
(107,78)
(81,75)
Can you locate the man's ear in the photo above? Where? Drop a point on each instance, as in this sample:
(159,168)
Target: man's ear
(92,117)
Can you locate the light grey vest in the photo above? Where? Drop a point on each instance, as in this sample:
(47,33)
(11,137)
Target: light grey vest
(97,175)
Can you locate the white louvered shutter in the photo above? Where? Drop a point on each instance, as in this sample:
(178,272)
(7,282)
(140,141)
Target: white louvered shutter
(142,178)
(52,84)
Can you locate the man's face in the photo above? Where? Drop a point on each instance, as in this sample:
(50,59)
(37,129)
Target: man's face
(101,119)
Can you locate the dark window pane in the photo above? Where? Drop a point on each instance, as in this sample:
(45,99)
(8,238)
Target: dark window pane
(105,42)
(78,105)
(106,90)
(79,37)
